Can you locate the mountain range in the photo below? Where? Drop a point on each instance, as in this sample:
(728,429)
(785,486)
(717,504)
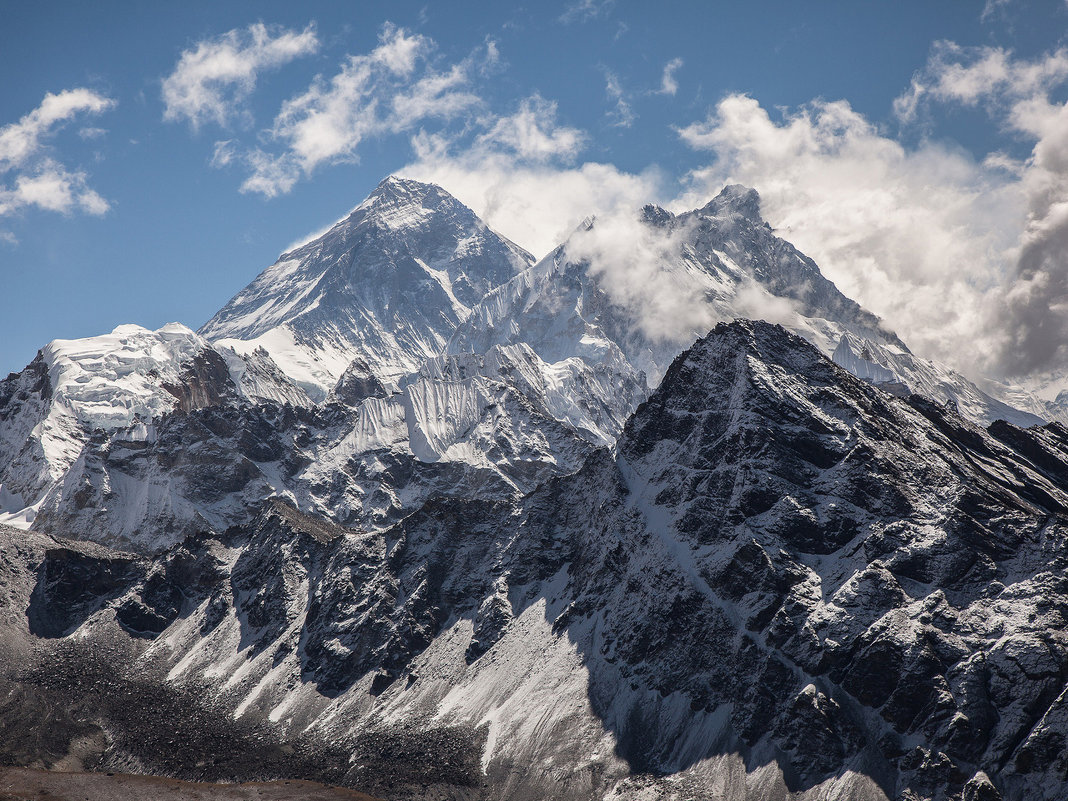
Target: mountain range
(421,515)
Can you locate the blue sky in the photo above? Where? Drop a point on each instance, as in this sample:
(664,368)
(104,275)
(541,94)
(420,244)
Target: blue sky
(155,157)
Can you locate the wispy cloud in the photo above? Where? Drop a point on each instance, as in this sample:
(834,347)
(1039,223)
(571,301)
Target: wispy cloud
(992,8)
(22,140)
(585,10)
(620,113)
(31,175)
(224,153)
(668,84)
(973,75)
(211,81)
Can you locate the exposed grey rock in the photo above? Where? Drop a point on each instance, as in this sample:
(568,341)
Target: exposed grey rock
(780,571)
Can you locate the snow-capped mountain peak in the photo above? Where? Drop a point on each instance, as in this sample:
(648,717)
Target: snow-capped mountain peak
(734,200)
(388,285)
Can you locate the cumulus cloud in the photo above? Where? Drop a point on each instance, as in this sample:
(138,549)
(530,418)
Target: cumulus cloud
(1017,92)
(919,236)
(390,90)
(668,84)
(31,176)
(211,81)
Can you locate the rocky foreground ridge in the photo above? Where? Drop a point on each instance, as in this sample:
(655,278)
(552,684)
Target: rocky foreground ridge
(780,581)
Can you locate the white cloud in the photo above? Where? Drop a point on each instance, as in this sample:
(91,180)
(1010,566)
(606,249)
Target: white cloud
(21,141)
(621,114)
(51,187)
(92,133)
(32,177)
(440,95)
(211,81)
(519,178)
(1017,92)
(532,133)
(968,75)
(387,91)
(668,84)
(919,236)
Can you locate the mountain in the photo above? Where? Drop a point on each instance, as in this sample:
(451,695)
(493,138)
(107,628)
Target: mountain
(782,581)
(386,286)
(76,392)
(409,353)
(719,258)
(721,261)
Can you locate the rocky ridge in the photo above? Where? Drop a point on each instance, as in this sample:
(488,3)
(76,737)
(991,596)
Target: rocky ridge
(782,581)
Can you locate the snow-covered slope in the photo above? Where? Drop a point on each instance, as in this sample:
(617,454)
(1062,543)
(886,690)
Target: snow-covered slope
(76,387)
(81,397)
(196,454)
(899,370)
(387,285)
(784,582)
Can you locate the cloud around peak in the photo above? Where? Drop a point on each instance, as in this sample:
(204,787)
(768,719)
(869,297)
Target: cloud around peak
(919,236)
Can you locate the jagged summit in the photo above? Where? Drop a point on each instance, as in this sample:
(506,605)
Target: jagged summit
(396,191)
(397,205)
(735,200)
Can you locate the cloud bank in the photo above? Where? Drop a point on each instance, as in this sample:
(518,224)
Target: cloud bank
(1017,93)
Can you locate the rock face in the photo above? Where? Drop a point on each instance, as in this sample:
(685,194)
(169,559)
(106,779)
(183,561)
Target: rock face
(471,427)
(781,580)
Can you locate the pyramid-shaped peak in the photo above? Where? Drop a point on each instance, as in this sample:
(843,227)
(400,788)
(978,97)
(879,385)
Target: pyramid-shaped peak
(735,200)
(394,190)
